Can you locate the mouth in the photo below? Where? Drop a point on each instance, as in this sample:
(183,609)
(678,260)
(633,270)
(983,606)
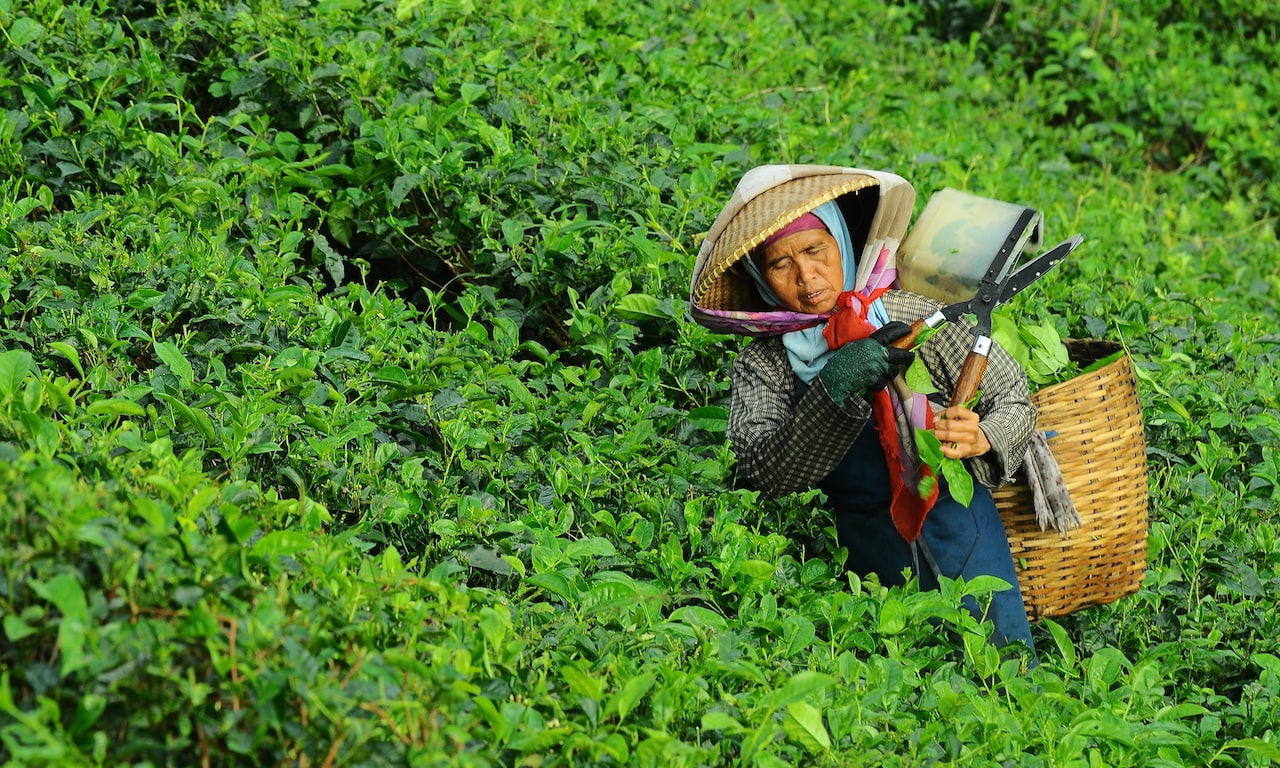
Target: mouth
(814,297)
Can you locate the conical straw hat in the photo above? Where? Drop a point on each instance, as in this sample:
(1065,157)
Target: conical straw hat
(766,200)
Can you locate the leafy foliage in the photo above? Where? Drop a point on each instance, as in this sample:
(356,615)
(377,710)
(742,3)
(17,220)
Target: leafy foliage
(350,412)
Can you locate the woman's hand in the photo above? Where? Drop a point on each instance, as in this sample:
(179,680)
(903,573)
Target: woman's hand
(957,429)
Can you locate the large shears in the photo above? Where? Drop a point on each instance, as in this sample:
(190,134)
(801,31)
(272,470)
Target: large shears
(1000,283)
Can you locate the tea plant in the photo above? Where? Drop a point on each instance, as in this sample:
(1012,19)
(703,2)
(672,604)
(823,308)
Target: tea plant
(350,411)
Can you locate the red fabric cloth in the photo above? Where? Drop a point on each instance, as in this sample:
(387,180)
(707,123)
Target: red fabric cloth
(907,508)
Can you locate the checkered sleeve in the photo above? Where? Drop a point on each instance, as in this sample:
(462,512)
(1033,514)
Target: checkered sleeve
(783,447)
(1004,408)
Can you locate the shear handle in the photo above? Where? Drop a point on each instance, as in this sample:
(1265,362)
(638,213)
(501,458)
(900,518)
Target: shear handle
(918,327)
(975,365)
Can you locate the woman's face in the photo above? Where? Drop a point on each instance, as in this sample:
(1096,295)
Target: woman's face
(805,271)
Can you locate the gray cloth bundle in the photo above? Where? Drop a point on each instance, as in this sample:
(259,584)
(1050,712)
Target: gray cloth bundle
(1053,505)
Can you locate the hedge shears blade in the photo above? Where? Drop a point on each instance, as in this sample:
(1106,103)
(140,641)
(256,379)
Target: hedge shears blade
(997,286)
(992,291)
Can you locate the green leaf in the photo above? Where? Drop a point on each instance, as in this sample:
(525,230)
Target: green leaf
(1255,748)
(69,352)
(278,543)
(582,683)
(697,616)
(958,479)
(1270,663)
(893,617)
(66,594)
(917,377)
(516,388)
(803,724)
(639,306)
(194,416)
(171,356)
(801,686)
(984,584)
(333,261)
(721,721)
(392,374)
(631,694)
(711,418)
(116,406)
(926,486)
(929,447)
(1005,332)
(512,232)
(25,30)
(15,628)
(14,366)
(1062,640)
(594,546)
(554,582)
(145,298)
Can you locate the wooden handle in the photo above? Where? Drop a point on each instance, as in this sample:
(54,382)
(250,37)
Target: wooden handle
(970,378)
(909,341)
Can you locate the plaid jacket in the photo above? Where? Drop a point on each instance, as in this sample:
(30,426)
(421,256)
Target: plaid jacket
(783,447)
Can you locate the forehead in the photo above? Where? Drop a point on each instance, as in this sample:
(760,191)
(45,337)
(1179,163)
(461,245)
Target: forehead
(798,241)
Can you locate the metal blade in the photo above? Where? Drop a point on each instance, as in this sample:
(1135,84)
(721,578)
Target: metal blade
(1036,268)
(998,272)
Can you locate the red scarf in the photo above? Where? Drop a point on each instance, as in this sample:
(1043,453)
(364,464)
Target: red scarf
(907,508)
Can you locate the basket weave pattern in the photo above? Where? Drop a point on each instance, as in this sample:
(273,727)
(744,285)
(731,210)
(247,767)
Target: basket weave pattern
(1101,449)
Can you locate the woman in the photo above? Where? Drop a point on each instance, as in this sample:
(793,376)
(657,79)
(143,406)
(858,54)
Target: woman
(817,399)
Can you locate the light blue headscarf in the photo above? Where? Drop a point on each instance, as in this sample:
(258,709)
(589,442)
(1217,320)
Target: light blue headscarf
(807,349)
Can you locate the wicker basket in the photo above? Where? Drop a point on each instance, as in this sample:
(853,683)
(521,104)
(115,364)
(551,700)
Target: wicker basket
(1101,449)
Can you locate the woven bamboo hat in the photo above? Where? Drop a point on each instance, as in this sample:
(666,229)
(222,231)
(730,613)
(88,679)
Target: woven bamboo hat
(877,207)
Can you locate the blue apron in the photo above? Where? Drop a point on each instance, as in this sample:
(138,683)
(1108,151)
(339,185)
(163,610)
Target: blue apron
(964,541)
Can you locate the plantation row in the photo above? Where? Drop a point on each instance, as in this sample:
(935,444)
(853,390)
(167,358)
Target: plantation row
(351,413)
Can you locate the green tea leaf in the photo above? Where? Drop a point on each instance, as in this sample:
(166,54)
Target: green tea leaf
(893,617)
(918,378)
(69,352)
(15,628)
(116,406)
(66,594)
(929,447)
(721,721)
(582,683)
(804,725)
(801,686)
(958,480)
(1005,332)
(1061,640)
(712,418)
(171,356)
(1255,748)
(14,366)
(632,692)
(555,583)
(639,306)
(25,30)
(278,543)
(697,616)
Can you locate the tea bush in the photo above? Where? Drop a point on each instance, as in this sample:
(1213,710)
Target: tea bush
(350,411)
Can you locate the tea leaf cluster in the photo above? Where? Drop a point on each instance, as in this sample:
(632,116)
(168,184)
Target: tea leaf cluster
(350,411)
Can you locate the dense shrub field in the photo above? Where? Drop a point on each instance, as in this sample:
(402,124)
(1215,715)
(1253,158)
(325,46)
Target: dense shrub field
(350,412)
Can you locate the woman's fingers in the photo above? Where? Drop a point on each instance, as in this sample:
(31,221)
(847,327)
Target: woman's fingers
(958,431)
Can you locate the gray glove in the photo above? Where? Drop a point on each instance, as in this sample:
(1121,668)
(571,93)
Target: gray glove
(866,364)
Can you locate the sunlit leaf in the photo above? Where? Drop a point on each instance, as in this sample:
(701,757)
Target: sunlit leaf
(804,725)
